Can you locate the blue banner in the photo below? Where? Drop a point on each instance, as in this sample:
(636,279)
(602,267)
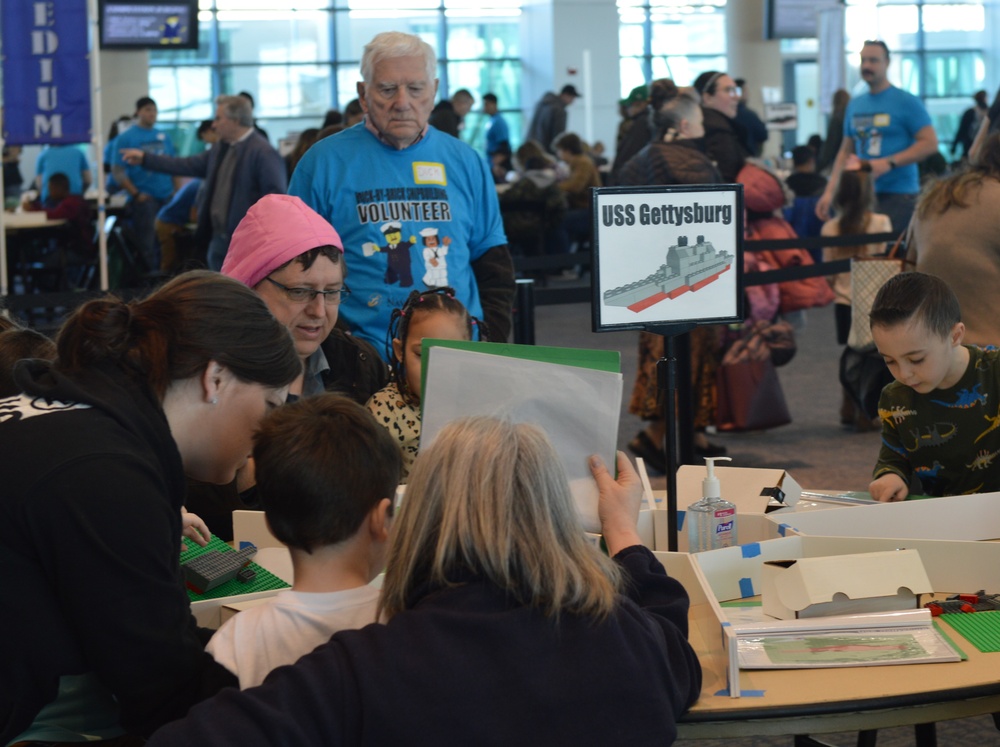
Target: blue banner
(46,73)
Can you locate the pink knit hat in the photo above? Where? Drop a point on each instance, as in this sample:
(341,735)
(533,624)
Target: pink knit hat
(276,229)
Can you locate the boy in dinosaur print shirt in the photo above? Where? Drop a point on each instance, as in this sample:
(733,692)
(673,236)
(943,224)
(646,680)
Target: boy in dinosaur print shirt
(941,416)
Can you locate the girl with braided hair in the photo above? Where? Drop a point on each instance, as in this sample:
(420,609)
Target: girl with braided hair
(433,313)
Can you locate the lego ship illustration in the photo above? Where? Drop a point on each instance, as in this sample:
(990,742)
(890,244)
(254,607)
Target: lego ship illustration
(688,268)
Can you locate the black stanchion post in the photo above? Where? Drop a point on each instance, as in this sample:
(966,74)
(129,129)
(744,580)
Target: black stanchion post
(524,312)
(668,383)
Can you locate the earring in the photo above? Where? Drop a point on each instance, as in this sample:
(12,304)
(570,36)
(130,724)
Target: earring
(214,400)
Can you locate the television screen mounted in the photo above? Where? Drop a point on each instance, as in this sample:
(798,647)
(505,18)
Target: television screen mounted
(134,24)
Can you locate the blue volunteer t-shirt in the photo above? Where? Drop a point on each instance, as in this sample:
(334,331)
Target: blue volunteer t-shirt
(151,140)
(62,159)
(409,219)
(883,124)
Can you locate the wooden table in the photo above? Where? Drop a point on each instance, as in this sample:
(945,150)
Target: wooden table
(818,701)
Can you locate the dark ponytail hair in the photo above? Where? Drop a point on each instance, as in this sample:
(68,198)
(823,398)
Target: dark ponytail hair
(171,335)
(432,299)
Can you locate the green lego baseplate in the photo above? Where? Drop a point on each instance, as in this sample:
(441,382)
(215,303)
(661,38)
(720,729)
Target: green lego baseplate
(265,580)
(981,629)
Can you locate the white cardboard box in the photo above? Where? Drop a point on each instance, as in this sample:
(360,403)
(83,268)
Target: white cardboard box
(843,584)
(208,612)
(736,572)
(744,486)
(960,517)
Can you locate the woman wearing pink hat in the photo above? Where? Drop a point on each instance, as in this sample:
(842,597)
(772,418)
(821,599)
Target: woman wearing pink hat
(294,259)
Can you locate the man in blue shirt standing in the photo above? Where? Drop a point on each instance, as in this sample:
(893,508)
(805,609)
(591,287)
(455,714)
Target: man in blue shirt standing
(890,131)
(497,132)
(148,191)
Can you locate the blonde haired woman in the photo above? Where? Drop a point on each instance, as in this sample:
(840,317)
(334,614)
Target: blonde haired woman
(505,625)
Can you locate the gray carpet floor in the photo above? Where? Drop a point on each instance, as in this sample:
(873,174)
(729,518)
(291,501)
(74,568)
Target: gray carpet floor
(814,448)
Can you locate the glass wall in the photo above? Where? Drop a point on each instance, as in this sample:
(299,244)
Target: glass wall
(301,60)
(676,39)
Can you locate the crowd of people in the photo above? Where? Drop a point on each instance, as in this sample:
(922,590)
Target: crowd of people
(138,404)
(287,376)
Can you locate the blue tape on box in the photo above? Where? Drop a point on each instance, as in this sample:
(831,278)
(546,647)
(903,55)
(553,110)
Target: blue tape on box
(751,549)
(746,587)
(783,528)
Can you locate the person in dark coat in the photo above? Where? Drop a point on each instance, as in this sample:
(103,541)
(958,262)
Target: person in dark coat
(724,137)
(504,624)
(99,639)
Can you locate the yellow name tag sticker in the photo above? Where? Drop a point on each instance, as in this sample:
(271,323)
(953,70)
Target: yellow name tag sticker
(881,120)
(425,172)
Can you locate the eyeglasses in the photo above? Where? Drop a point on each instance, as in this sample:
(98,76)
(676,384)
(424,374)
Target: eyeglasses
(308,295)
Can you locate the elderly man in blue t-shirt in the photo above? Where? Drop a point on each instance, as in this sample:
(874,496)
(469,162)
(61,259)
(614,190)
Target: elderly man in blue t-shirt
(394,175)
(890,131)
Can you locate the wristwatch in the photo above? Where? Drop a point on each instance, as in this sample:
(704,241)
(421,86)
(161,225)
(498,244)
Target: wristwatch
(892,163)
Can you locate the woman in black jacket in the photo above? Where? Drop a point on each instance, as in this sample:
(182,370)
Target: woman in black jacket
(99,639)
(724,137)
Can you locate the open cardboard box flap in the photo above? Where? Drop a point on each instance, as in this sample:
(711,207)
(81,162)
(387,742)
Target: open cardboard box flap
(749,488)
(843,584)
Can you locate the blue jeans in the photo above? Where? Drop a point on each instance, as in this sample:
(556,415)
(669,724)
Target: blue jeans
(143,216)
(898,206)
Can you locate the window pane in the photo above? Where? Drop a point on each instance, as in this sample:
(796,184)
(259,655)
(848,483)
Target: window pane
(502,77)
(182,93)
(282,90)
(952,73)
(631,39)
(357,28)
(273,36)
(955,27)
(487,37)
(897,25)
(631,73)
(696,33)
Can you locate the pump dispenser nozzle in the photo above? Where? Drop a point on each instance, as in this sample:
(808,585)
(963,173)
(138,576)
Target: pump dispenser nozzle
(710,485)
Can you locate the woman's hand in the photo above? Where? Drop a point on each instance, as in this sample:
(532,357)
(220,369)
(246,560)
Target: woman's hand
(194,528)
(618,504)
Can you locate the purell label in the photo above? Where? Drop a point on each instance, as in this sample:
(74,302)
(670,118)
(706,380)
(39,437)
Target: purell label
(723,528)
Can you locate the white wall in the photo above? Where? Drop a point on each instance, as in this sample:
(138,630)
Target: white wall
(573,41)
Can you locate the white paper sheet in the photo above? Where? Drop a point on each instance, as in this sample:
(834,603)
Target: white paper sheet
(578,408)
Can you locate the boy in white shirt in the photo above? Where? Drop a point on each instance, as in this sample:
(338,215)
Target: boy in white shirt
(326,473)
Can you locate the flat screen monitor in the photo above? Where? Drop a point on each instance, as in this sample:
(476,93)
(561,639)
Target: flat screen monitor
(140,24)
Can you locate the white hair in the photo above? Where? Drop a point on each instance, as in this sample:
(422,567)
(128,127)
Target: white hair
(392,44)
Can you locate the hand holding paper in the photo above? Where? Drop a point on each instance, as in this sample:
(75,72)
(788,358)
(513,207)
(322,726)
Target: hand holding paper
(618,503)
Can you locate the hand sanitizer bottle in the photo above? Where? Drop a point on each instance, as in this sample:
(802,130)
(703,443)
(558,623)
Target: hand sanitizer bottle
(711,521)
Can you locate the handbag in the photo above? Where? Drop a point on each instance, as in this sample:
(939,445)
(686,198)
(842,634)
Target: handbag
(749,394)
(750,397)
(863,374)
(868,275)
